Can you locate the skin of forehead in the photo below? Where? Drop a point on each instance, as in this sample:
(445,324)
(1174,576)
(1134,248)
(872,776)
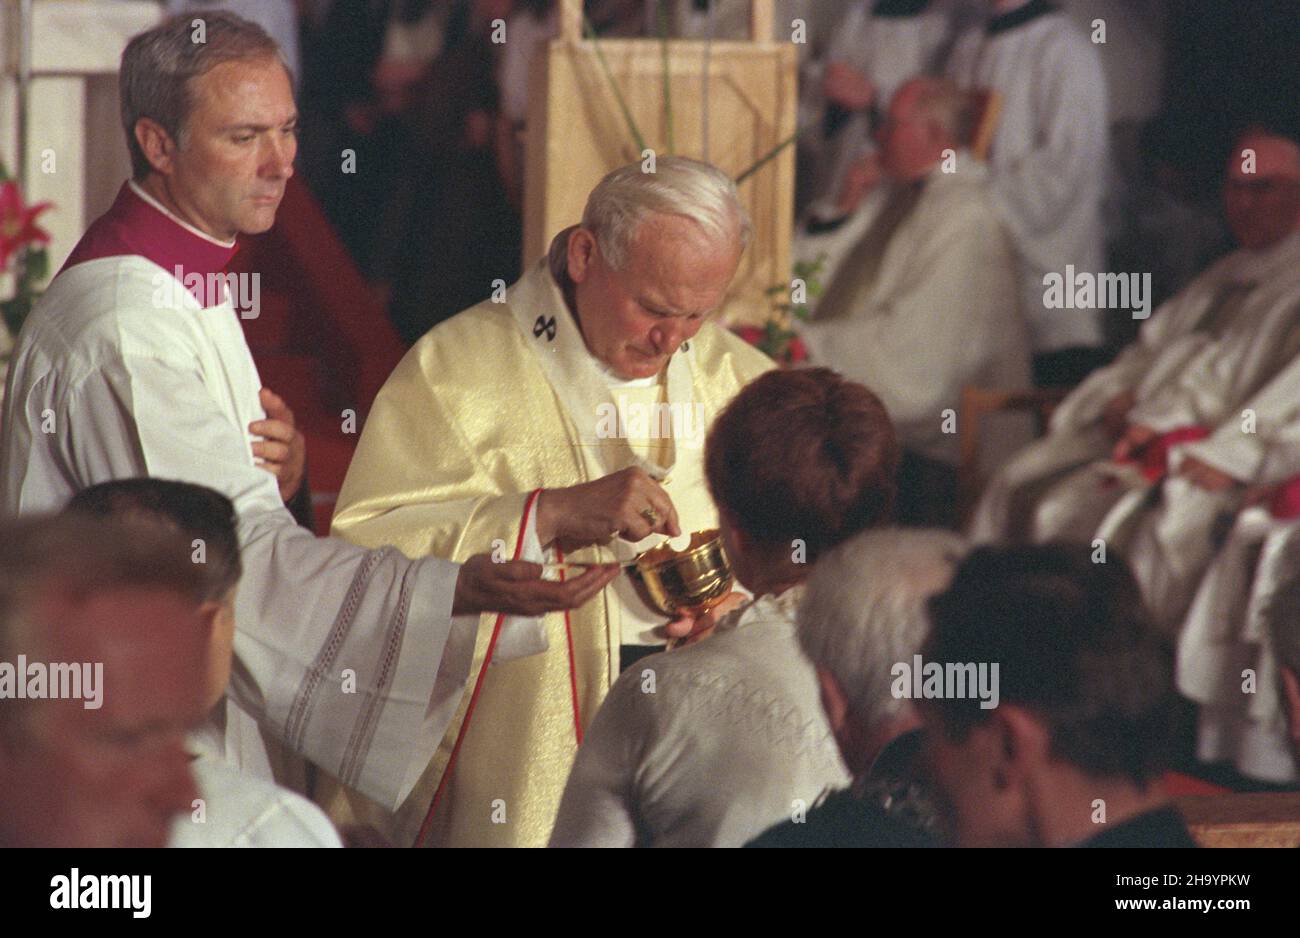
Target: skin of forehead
(151,646)
(673,264)
(231,93)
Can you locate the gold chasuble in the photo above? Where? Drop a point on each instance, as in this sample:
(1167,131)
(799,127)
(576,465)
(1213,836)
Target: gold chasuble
(489,406)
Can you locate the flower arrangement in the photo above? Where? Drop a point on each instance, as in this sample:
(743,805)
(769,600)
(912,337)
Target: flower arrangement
(23,243)
(777,337)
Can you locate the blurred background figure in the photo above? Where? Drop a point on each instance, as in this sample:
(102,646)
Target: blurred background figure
(116,773)
(863,612)
(925,303)
(1073,751)
(240,808)
(1049,162)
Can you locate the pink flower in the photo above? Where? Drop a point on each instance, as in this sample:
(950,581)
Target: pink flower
(18,222)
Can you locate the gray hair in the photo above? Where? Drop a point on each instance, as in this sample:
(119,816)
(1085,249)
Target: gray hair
(864,610)
(159,65)
(678,186)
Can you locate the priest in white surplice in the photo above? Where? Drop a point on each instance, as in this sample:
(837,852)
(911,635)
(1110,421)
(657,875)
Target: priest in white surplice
(872,51)
(134,363)
(926,303)
(1049,155)
(1197,362)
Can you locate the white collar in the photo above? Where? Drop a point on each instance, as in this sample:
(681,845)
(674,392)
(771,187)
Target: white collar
(150,200)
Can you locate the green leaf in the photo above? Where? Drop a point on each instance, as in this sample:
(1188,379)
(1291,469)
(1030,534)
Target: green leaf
(36,266)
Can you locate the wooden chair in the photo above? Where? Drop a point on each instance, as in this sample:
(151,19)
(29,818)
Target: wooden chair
(987,107)
(976,404)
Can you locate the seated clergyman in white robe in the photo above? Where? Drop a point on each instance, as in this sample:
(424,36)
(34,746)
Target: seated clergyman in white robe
(1049,156)
(713,743)
(1228,659)
(1196,363)
(926,303)
(876,47)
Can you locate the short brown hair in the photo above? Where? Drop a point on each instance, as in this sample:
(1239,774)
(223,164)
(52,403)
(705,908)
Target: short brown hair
(804,454)
(159,64)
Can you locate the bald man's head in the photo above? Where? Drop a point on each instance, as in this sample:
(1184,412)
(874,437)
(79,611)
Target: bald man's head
(1261,194)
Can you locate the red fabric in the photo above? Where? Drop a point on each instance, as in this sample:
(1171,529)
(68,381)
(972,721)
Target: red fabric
(132,226)
(478,684)
(1178,785)
(1154,458)
(1285,503)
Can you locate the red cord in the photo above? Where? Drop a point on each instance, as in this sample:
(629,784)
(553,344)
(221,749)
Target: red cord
(478,684)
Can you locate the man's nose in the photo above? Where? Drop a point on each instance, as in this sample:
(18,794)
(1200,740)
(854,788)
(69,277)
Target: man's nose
(281,150)
(175,790)
(668,335)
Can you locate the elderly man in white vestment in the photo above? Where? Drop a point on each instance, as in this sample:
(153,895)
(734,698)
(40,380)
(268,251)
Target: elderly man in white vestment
(133,363)
(567,414)
(926,303)
(873,49)
(237,810)
(711,744)
(1198,362)
(1048,162)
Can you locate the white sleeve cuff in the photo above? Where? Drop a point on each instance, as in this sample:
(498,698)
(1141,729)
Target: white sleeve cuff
(522,636)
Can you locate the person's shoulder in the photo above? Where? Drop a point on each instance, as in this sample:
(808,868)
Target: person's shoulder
(845,821)
(111,307)
(718,350)
(244,811)
(462,351)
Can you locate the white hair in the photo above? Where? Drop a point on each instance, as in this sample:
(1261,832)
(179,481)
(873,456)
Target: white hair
(678,186)
(864,610)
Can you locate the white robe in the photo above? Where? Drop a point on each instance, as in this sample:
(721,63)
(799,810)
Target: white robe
(1172,545)
(940,314)
(1049,157)
(1229,630)
(241,811)
(1181,375)
(119,374)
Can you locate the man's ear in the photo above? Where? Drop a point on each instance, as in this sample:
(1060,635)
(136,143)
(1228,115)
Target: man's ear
(1024,739)
(156,144)
(209,616)
(834,701)
(581,254)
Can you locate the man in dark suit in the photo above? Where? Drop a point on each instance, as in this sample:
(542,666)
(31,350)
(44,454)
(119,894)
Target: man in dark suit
(1071,749)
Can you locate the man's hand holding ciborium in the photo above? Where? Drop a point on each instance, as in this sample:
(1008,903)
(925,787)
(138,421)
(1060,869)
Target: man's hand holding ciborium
(627,504)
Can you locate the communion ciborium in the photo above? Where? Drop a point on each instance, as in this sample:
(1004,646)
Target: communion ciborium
(690,581)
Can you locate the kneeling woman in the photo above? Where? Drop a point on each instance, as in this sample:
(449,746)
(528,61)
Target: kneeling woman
(711,744)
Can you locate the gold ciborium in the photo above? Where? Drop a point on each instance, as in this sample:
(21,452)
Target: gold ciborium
(676,582)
